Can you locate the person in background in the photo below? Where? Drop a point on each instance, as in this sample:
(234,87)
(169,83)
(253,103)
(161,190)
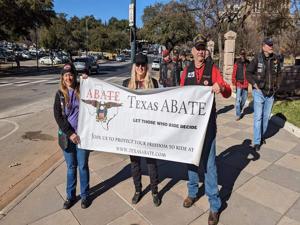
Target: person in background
(240,81)
(203,73)
(264,74)
(17,59)
(177,67)
(141,79)
(183,60)
(66,109)
(166,71)
(208,57)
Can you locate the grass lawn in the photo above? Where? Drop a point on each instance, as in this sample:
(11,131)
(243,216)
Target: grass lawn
(290,109)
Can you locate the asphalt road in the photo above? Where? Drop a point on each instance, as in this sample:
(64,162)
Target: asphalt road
(16,91)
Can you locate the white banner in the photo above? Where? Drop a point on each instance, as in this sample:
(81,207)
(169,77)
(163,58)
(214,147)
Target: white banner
(163,123)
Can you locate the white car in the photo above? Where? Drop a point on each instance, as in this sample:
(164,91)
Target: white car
(120,58)
(155,64)
(47,60)
(26,55)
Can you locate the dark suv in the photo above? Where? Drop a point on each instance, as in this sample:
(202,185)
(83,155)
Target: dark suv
(86,64)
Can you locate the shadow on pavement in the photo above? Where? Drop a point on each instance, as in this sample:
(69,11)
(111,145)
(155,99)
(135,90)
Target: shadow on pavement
(174,170)
(248,109)
(276,122)
(230,164)
(166,169)
(104,186)
(225,109)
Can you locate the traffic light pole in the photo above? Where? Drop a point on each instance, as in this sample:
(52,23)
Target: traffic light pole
(132,25)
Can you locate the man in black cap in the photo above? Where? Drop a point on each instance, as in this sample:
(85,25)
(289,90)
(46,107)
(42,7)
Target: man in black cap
(263,73)
(203,73)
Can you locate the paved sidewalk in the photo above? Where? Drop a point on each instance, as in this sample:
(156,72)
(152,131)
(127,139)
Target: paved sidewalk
(257,188)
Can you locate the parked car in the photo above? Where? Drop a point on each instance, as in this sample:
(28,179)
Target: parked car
(86,63)
(6,56)
(26,55)
(120,58)
(155,64)
(47,60)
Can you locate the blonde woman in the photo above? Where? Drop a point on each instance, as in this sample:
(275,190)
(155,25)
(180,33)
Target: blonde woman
(66,109)
(141,79)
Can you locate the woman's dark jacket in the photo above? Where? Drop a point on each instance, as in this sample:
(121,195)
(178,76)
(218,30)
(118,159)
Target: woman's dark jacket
(61,120)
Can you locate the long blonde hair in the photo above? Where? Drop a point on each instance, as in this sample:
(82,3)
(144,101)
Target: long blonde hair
(63,88)
(148,83)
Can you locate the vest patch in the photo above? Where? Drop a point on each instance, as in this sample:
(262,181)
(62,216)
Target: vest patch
(260,67)
(191,74)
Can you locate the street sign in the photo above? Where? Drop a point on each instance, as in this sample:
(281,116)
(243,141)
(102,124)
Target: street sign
(131,15)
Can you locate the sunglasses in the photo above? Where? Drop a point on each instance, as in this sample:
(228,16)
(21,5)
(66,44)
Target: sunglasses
(140,64)
(200,47)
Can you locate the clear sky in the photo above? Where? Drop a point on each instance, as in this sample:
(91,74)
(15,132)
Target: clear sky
(102,9)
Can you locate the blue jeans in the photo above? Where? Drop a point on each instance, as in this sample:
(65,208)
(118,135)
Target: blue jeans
(262,111)
(210,178)
(241,97)
(74,157)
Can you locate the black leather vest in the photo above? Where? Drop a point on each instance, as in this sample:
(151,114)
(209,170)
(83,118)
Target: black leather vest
(211,131)
(267,73)
(206,80)
(240,71)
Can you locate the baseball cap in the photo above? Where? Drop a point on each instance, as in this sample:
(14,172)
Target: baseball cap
(140,58)
(268,41)
(68,67)
(200,42)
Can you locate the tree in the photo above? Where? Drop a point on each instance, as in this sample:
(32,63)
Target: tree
(17,17)
(55,37)
(168,24)
(274,17)
(118,31)
(85,33)
(215,17)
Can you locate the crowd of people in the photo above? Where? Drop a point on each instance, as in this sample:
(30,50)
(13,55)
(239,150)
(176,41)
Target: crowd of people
(263,73)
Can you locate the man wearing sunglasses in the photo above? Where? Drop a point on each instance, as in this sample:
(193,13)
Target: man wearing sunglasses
(205,73)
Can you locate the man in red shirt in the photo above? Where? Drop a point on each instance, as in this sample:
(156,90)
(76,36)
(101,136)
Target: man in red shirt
(241,83)
(203,73)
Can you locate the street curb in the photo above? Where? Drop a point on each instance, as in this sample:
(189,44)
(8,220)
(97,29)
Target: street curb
(292,129)
(28,190)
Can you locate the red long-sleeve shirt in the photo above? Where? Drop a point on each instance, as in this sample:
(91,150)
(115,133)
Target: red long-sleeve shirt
(239,84)
(216,78)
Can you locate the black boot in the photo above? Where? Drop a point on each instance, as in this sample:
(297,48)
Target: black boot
(69,203)
(85,203)
(136,197)
(156,199)
(257,147)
